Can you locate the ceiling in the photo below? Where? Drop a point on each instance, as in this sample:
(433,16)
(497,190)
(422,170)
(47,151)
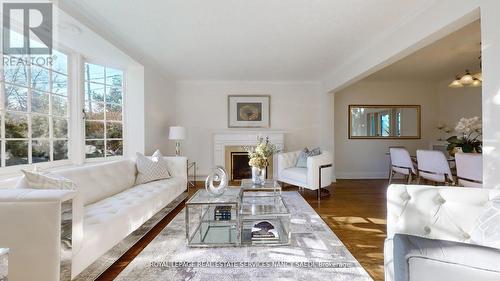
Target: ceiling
(245,40)
(442,60)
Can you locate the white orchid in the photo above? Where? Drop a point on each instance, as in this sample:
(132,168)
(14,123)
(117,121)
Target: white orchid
(467,126)
(470,130)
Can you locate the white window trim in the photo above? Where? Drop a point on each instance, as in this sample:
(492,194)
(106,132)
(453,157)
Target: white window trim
(82,102)
(76,124)
(9,171)
(77,121)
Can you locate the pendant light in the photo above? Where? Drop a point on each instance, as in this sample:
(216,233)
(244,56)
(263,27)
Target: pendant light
(456,83)
(476,83)
(467,79)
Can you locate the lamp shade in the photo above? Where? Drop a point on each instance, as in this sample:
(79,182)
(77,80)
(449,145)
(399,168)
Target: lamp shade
(177,133)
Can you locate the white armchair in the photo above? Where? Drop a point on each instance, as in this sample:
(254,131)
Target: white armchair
(317,174)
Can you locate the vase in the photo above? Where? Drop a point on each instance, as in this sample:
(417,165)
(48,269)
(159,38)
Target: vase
(455,150)
(258,175)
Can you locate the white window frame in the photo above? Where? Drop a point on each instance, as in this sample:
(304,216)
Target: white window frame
(85,60)
(15,169)
(76,123)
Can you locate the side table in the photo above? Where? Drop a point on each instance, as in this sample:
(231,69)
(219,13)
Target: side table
(193,166)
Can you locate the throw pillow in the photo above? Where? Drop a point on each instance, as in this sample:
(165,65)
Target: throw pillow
(151,168)
(314,152)
(486,232)
(302,160)
(45,180)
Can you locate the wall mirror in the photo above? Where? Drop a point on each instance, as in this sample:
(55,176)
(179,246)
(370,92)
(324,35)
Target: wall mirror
(384,121)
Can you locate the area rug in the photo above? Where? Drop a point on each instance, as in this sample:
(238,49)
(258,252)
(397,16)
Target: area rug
(315,253)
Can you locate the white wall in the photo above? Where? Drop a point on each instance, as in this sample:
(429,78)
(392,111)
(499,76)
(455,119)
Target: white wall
(364,159)
(74,37)
(437,20)
(202,109)
(490,21)
(150,97)
(134,111)
(159,111)
(455,103)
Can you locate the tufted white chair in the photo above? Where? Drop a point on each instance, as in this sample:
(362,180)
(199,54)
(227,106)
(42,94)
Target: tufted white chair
(469,169)
(433,166)
(401,163)
(317,174)
(434,212)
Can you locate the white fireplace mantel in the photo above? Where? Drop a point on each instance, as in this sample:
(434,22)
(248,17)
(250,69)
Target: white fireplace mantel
(221,139)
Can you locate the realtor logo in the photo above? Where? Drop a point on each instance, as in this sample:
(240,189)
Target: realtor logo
(36,22)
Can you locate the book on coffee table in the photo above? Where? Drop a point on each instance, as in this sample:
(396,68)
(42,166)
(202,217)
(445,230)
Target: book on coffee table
(264,230)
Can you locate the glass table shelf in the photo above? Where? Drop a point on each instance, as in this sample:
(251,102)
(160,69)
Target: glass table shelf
(281,225)
(269,185)
(262,206)
(210,235)
(262,203)
(203,229)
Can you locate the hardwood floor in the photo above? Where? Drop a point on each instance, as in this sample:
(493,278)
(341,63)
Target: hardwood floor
(355,211)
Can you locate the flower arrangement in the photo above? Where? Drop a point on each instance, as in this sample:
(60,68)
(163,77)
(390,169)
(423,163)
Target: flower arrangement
(259,155)
(470,130)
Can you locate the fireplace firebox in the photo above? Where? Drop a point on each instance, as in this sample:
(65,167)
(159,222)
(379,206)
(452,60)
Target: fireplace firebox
(239,166)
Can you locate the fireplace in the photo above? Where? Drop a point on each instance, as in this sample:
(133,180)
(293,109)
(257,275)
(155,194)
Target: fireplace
(226,142)
(239,166)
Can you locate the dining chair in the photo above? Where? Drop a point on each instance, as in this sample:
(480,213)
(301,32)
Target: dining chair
(469,169)
(433,166)
(401,163)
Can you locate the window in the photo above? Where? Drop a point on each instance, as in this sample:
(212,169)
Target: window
(385,126)
(103,111)
(35,112)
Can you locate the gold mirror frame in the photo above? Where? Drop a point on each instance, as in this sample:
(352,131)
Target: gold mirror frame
(419,120)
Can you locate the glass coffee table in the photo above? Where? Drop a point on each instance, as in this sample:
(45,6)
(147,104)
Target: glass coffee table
(249,215)
(263,206)
(213,221)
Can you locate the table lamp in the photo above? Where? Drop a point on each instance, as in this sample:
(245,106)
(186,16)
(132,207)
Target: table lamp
(177,133)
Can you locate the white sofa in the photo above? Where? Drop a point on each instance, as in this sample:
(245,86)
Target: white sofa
(309,177)
(444,213)
(106,209)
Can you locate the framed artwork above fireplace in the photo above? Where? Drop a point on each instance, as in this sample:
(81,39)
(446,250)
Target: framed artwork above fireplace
(248,111)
